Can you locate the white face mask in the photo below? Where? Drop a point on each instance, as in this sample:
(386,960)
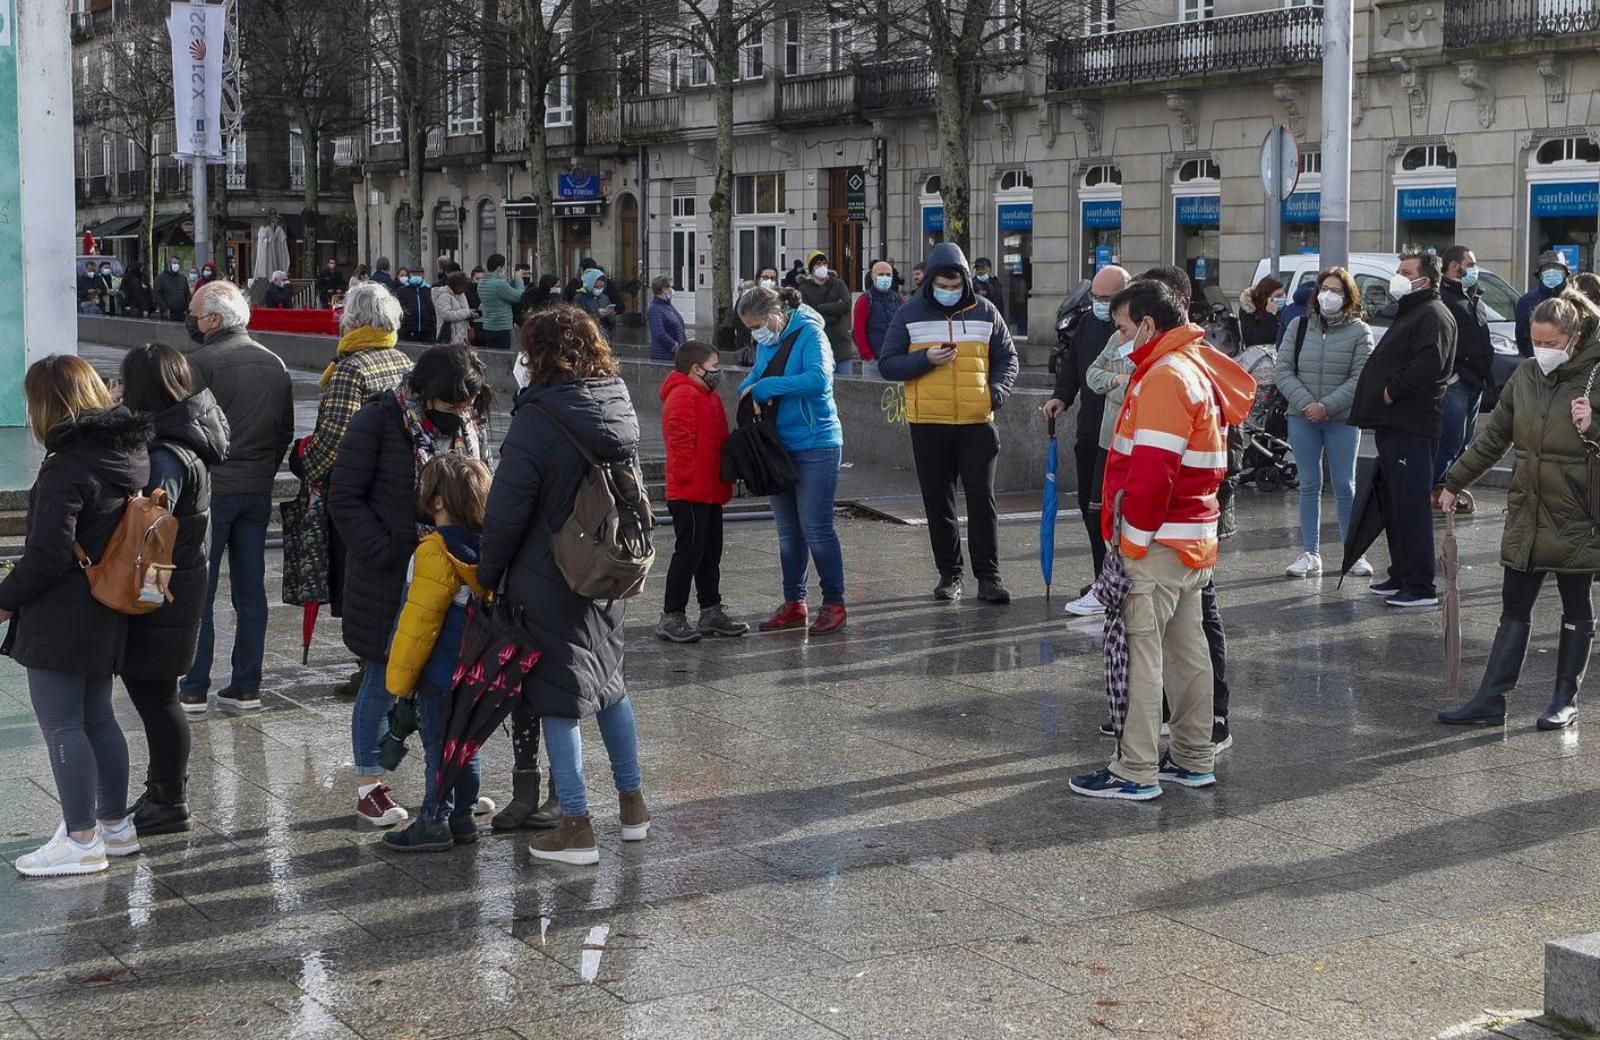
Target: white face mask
(768,283)
(820,272)
(1399,286)
(1330,302)
(1549,358)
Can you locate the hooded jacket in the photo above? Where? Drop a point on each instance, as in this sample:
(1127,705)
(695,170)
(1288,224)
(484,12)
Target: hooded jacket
(1327,366)
(91,467)
(254,390)
(191,437)
(1527,303)
(807,418)
(1301,303)
(694,425)
(1549,525)
(1474,349)
(416,304)
(1089,337)
(453,314)
(442,576)
(831,299)
(594,302)
(579,639)
(499,299)
(1411,366)
(1255,327)
(1170,451)
(968,389)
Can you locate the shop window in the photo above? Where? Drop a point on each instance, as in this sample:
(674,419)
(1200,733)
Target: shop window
(1428,157)
(755,193)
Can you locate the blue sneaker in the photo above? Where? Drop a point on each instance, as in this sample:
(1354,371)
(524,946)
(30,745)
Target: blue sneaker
(1385,588)
(1106,784)
(1170,770)
(1410,600)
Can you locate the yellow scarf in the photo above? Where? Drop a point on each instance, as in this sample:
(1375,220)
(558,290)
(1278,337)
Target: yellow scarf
(353,342)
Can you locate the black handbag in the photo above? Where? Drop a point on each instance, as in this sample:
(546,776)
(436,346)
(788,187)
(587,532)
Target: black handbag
(753,454)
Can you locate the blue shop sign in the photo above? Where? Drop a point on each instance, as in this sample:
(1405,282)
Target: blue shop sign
(1570,199)
(1426,203)
(1016,216)
(1569,255)
(1303,207)
(1199,210)
(1102,257)
(1102,214)
(577,185)
(933,220)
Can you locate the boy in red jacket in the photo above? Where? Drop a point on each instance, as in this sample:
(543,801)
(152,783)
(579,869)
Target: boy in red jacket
(694,426)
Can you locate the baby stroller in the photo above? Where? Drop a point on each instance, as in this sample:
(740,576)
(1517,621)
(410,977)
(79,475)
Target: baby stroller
(1266,454)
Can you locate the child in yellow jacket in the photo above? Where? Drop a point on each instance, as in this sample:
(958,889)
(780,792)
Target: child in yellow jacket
(453,490)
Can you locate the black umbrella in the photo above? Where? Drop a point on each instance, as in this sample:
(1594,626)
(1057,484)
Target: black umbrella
(1367,514)
(496,656)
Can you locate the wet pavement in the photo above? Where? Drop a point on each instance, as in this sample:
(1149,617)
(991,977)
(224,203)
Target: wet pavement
(867,835)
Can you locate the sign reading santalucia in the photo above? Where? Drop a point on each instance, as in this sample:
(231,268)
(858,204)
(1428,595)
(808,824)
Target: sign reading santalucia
(196,31)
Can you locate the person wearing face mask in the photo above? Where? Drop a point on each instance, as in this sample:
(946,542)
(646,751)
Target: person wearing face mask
(172,291)
(694,427)
(498,301)
(1258,311)
(789,341)
(208,274)
(1090,335)
(416,304)
(1553,274)
(825,292)
(280,294)
(1545,416)
(1317,371)
(1400,398)
(1473,375)
(953,351)
(986,284)
(596,302)
(330,283)
(372,501)
(667,332)
(875,310)
(743,343)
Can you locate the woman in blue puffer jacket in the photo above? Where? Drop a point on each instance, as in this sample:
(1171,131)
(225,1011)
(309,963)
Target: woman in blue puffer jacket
(808,425)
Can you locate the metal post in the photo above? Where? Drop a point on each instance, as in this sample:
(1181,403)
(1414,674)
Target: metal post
(1275,207)
(642,230)
(202,239)
(883,201)
(1338,25)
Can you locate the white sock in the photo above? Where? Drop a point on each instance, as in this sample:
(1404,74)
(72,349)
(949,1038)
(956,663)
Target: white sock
(366,789)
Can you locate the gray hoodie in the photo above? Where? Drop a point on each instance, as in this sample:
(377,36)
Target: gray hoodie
(1328,365)
(1103,379)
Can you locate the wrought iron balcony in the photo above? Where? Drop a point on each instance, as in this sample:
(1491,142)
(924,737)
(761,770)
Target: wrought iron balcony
(1470,22)
(906,83)
(824,98)
(344,151)
(1272,39)
(605,121)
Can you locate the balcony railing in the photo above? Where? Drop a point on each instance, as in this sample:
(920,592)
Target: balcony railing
(511,132)
(344,151)
(297,176)
(433,147)
(1468,22)
(1271,39)
(824,97)
(238,175)
(651,116)
(605,121)
(907,83)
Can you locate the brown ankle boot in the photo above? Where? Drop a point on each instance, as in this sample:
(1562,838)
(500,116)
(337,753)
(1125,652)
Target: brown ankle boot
(635,817)
(571,842)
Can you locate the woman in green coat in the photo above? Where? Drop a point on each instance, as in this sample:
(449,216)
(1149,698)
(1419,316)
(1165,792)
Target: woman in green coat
(1544,416)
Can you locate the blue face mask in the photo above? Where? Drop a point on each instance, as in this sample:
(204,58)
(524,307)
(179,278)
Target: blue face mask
(1469,277)
(884,282)
(946,297)
(416,279)
(1554,278)
(763,335)
(1101,310)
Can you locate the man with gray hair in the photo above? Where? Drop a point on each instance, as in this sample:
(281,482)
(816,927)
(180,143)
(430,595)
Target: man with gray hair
(253,388)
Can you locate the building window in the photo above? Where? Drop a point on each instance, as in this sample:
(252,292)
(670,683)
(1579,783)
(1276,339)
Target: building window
(1425,157)
(461,85)
(107,166)
(385,109)
(1310,162)
(694,67)
(487,241)
(1199,170)
(297,161)
(1103,175)
(841,45)
(238,160)
(1015,180)
(1007,25)
(683,205)
(1563,150)
(752,56)
(1100,16)
(558,100)
(1196,10)
(794,55)
(755,193)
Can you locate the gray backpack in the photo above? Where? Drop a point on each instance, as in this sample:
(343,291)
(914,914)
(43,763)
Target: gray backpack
(603,548)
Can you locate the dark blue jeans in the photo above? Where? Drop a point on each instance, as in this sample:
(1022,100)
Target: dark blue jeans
(1407,461)
(804,516)
(239,528)
(433,710)
(1461,403)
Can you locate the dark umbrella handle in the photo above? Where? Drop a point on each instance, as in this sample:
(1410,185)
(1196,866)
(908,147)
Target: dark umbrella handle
(1051,422)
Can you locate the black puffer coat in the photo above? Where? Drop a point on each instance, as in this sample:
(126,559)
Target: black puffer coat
(580,640)
(372,500)
(161,645)
(93,465)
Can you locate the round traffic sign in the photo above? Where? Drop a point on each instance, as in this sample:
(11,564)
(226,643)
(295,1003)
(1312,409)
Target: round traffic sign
(1280,163)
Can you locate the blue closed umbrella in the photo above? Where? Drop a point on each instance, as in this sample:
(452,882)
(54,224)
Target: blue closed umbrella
(1047,514)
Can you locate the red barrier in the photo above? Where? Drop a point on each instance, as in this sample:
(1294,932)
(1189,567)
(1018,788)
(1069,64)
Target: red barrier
(276,319)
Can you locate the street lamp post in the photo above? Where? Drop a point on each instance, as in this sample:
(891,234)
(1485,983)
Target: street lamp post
(1338,25)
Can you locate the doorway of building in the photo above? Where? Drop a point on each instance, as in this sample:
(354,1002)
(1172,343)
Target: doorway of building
(844,235)
(627,253)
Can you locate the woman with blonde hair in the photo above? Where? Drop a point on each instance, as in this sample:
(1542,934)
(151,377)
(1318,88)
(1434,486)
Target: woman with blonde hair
(67,640)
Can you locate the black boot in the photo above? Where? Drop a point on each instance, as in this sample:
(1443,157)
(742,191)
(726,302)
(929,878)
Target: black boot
(524,802)
(1572,660)
(162,808)
(549,814)
(1488,705)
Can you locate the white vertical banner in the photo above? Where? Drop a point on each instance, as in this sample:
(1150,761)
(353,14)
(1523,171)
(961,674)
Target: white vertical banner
(197,30)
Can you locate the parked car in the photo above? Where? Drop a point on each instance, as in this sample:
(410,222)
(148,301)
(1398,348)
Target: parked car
(1372,272)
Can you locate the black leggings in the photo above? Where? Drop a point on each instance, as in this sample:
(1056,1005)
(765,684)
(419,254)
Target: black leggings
(1520,590)
(524,738)
(166,728)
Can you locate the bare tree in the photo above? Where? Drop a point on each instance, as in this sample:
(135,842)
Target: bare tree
(302,59)
(131,97)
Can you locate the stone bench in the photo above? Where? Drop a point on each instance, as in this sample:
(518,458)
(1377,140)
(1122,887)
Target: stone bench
(1572,981)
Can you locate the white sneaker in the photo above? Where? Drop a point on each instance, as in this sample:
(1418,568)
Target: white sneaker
(63,856)
(484,806)
(120,838)
(1088,606)
(1361,568)
(1306,565)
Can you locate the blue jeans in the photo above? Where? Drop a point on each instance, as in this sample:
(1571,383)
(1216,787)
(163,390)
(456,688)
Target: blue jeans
(564,744)
(804,515)
(369,720)
(1340,442)
(1460,405)
(433,710)
(239,528)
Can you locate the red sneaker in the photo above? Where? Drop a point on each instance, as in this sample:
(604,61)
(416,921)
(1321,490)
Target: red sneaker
(378,809)
(829,619)
(790,615)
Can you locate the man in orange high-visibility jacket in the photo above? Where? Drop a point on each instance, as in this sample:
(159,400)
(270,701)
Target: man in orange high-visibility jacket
(1169,454)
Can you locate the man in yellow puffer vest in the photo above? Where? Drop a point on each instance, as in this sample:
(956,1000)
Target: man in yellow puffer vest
(953,351)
